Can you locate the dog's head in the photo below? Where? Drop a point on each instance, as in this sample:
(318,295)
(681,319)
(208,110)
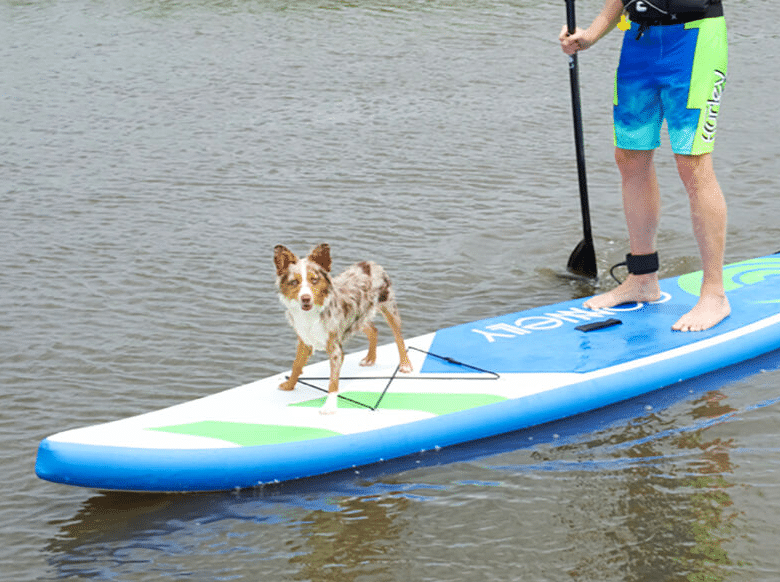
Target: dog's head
(303,281)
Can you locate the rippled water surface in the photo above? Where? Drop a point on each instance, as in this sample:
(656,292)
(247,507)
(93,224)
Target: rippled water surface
(153,152)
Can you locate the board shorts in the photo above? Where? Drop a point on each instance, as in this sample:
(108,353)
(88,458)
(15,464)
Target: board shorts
(675,72)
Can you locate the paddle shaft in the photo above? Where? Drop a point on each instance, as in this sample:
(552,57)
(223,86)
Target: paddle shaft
(579,141)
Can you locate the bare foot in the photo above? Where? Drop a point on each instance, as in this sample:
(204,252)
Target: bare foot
(637,288)
(708,312)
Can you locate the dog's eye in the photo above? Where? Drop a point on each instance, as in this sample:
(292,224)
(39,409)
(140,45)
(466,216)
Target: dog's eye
(315,279)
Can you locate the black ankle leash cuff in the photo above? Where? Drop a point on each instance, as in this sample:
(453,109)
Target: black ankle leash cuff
(642,264)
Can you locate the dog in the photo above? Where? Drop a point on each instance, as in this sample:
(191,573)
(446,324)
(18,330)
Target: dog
(325,312)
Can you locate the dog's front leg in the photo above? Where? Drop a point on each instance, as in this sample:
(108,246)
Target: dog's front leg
(336,354)
(301,357)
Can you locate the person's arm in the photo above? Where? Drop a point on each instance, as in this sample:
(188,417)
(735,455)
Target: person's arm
(601,25)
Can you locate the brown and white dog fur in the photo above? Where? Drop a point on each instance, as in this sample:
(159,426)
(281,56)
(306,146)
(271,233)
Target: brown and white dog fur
(325,311)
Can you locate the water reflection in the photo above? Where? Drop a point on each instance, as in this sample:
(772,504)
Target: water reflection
(664,491)
(339,544)
(319,536)
(712,510)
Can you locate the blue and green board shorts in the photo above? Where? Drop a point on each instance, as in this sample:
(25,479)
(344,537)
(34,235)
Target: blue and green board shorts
(675,72)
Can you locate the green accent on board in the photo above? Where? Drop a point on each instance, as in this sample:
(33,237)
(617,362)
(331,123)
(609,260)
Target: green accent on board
(419,401)
(247,434)
(735,276)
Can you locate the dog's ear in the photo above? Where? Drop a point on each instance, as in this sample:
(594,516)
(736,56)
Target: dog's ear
(283,258)
(321,256)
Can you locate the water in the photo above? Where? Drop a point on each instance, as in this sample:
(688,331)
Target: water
(153,152)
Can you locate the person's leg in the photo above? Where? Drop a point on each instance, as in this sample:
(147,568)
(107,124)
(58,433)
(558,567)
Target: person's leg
(708,216)
(642,208)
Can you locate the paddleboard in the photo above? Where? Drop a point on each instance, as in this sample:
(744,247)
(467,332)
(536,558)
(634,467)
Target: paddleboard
(471,381)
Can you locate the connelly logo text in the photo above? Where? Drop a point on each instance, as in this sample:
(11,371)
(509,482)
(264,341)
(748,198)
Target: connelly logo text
(533,323)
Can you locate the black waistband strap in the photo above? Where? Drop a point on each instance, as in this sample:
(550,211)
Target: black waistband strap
(677,13)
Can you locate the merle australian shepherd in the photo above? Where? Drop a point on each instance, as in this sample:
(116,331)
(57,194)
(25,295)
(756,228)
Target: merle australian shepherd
(325,311)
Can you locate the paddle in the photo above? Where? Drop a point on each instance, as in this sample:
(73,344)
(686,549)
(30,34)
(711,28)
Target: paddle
(582,261)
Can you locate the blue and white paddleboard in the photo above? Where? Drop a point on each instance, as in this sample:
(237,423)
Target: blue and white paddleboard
(471,381)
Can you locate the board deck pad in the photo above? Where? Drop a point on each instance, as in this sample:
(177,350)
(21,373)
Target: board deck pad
(534,340)
(471,381)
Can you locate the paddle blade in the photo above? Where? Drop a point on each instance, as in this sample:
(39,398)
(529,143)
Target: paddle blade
(582,261)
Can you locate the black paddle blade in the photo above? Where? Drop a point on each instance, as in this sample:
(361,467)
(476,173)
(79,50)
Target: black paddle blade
(582,261)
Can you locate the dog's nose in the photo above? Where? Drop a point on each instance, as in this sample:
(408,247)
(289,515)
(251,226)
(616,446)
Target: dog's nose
(306,302)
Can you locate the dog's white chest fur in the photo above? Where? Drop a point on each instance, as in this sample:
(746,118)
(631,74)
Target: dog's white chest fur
(307,324)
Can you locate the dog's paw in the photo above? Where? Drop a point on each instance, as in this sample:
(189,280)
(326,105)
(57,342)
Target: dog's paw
(331,404)
(287,385)
(406,367)
(368,361)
